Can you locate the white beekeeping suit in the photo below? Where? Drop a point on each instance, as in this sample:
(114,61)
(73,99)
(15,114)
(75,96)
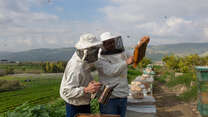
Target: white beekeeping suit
(77,74)
(112,67)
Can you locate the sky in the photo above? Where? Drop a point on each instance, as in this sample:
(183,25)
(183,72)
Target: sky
(32,24)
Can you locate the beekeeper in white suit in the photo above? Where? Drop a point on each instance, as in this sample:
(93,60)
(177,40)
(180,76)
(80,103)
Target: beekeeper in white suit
(77,83)
(112,69)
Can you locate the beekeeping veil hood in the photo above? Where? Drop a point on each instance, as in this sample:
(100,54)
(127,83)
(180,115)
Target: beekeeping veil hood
(111,44)
(87,48)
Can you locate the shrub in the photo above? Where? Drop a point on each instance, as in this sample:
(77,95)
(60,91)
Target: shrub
(9,85)
(184,64)
(53,67)
(10,70)
(185,79)
(144,62)
(132,73)
(94,106)
(189,95)
(2,72)
(50,110)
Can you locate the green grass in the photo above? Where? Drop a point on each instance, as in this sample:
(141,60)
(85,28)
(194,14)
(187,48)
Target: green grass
(55,109)
(6,85)
(157,67)
(133,73)
(184,79)
(168,78)
(163,77)
(40,90)
(189,95)
(161,73)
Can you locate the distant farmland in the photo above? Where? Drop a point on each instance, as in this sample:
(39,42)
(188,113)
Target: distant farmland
(37,89)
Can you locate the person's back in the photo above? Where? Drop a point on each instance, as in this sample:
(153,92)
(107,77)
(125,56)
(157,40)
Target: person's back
(112,69)
(75,68)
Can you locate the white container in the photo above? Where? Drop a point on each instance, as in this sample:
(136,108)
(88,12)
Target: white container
(141,111)
(134,101)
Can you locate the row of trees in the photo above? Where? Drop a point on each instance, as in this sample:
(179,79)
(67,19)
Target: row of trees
(54,67)
(57,67)
(184,64)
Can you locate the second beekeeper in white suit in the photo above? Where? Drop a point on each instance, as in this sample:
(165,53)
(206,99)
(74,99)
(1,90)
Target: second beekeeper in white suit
(77,83)
(112,69)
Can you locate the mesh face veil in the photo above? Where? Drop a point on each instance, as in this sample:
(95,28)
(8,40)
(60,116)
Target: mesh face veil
(88,55)
(112,46)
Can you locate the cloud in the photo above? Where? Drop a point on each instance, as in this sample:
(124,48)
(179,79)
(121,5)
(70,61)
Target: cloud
(165,21)
(168,21)
(22,27)
(59,9)
(169,28)
(206,32)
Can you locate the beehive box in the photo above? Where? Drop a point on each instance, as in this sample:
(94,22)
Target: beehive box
(203,86)
(203,97)
(202,78)
(203,109)
(141,111)
(202,73)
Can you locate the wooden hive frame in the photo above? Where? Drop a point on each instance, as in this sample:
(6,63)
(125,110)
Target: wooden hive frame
(140,50)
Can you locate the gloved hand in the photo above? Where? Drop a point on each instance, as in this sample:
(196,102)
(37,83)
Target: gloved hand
(92,87)
(130,60)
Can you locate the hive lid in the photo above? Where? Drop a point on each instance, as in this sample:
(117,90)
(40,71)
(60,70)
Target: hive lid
(201,68)
(142,108)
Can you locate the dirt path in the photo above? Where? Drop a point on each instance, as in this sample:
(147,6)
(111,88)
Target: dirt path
(169,106)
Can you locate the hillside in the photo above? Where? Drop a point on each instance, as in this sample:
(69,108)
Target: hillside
(61,54)
(181,49)
(153,52)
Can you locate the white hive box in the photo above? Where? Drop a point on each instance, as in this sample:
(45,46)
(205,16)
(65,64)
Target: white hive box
(141,111)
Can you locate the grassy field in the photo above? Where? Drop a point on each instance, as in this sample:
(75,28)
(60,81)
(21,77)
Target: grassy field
(133,73)
(40,90)
(170,80)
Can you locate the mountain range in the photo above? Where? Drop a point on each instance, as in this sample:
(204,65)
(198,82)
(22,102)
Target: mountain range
(155,52)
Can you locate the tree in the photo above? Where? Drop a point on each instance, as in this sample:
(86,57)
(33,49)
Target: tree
(182,66)
(47,67)
(50,67)
(145,61)
(171,62)
(60,66)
